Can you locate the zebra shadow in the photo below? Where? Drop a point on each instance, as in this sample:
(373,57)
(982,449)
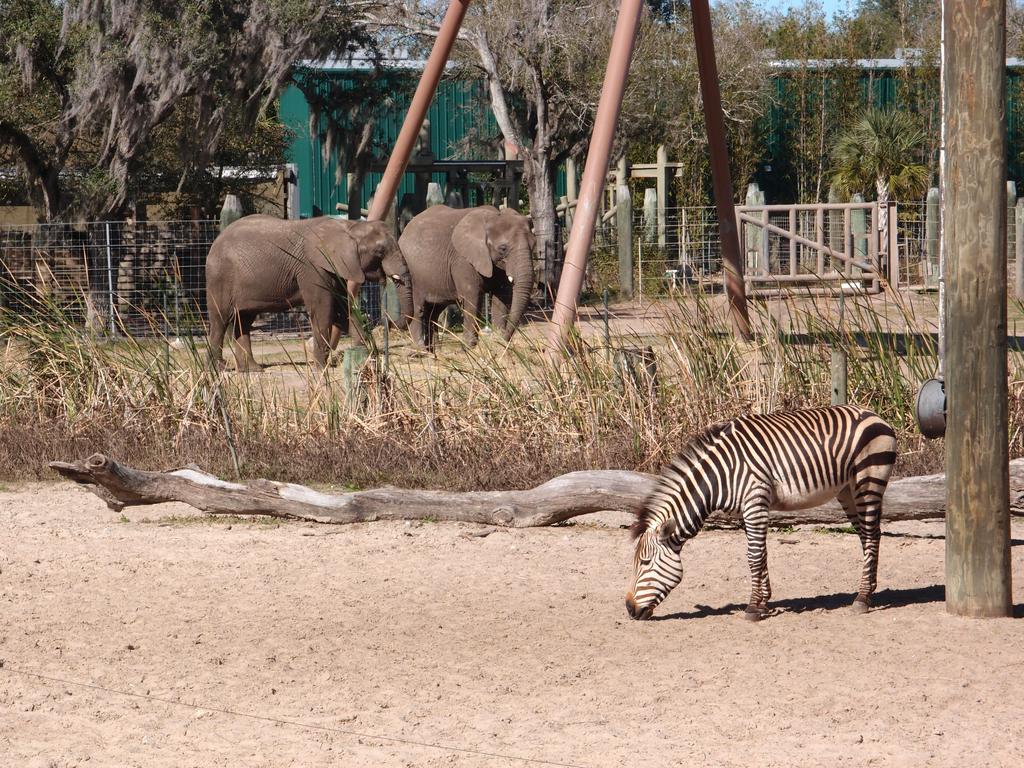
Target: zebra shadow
(884,599)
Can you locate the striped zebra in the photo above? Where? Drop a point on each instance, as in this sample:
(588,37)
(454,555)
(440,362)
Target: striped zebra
(784,460)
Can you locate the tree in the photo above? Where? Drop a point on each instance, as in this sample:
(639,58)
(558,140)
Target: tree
(663,103)
(882,148)
(812,102)
(188,187)
(37,126)
(879,27)
(542,62)
(84,85)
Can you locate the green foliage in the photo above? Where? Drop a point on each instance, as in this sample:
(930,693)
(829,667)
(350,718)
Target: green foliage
(882,150)
(91,93)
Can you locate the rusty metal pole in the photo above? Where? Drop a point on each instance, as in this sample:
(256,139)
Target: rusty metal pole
(721,180)
(384,196)
(594,172)
(974,236)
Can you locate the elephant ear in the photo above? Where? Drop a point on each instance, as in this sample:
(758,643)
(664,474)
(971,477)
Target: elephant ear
(469,239)
(332,248)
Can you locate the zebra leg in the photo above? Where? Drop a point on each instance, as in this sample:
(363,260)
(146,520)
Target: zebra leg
(756,527)
(849,505)
(869,516)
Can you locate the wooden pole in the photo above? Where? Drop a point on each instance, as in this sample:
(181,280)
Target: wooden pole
(714,123)
(974,239)
(624,225)
(662,184)
(931,239)
(1018,246)
(893,247)
(571,182)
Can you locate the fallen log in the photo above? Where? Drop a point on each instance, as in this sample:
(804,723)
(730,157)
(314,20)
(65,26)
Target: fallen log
(559,499)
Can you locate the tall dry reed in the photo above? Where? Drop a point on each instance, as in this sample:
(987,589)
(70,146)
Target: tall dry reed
(495,417)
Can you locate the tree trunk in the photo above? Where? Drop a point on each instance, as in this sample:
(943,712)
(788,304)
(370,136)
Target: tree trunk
(539,179)
(53,197)
(557,500)
(882,188)
(538,168)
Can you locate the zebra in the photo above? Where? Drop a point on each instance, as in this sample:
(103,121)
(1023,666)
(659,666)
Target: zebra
(784,460)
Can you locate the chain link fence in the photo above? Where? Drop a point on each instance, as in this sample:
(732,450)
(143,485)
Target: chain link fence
(688,251)
(148,278)
(126,278)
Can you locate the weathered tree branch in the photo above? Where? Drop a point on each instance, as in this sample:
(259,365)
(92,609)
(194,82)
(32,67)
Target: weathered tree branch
(558,500)
(555,501)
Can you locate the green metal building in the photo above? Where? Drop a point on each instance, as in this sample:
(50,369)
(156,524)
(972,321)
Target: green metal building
(463,127)
(458,115)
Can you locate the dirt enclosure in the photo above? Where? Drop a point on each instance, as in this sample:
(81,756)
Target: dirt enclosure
(162,638)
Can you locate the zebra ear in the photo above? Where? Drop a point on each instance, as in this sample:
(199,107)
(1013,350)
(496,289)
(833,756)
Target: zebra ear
(667,530)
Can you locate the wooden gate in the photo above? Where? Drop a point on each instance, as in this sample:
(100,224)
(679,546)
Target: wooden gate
(818,247)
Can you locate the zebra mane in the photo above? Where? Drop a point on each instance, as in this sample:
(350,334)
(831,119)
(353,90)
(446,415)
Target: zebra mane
(694,449)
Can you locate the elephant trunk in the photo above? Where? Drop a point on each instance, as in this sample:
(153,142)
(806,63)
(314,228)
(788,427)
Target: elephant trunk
(403,286)
(404,302)
(522,287)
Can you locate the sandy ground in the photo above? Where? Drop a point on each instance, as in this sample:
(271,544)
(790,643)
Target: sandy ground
(164,639)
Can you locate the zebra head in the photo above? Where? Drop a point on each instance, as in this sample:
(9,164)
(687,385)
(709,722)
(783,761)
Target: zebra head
(657,567)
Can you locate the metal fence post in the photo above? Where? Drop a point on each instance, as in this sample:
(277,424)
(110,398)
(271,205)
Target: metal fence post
(386,341)
(607,331)
(110,283)
(1011,204)
(839,360)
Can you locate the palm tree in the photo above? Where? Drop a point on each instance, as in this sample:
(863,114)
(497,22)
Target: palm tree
(883,147)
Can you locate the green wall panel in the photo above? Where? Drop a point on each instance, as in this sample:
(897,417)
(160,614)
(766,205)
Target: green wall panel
(458,112)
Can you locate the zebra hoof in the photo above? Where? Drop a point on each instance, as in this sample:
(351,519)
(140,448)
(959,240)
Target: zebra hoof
(859,606)
(753,614)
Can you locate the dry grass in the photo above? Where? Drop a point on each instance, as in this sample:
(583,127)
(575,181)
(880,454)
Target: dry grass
(497,417)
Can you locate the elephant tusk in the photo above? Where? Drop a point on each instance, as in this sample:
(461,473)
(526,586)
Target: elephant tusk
(396,278)
(510,278)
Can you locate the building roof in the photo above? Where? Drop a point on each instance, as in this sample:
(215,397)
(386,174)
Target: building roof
(897,62)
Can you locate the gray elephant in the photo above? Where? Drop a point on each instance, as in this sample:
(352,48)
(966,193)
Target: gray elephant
(264,264)
(458,255)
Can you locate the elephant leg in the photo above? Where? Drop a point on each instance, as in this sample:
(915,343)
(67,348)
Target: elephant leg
(339,327)
(336,334)
(433,324)
(322,332)
(418,322)
(244,358)
(499,312)
(470,304)
(323,319)
(218,326)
